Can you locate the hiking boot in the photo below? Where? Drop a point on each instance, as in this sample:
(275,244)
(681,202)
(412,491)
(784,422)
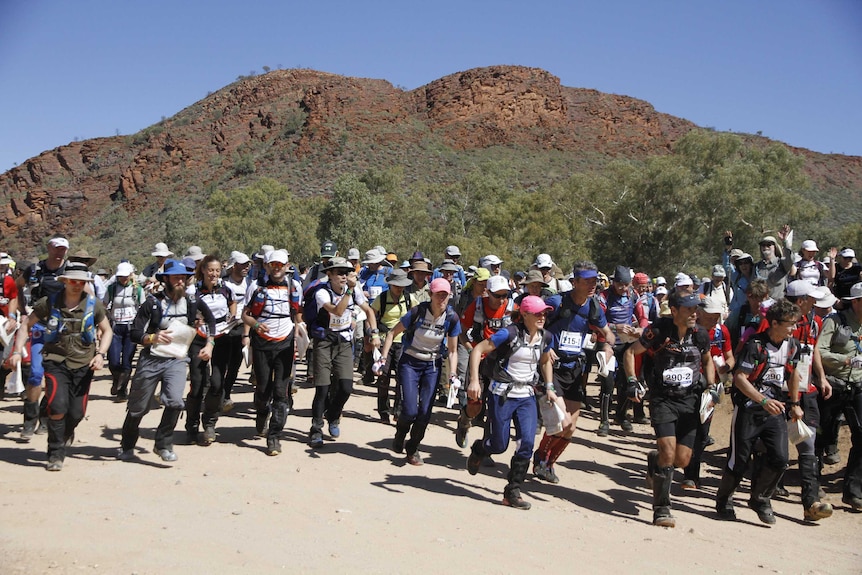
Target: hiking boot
(273,446)
(191,437)
(832,458)
(260,420)
(414,459)
(663,518)
(166,454)
(315,440)
(651,467)
(43,426)
(474,460)
(122,395)
(543,471)
(764,512)
(461,435)
(818,511)
(625,424)
(334,429)
(689,485)
(780,491)
(855,503)
(29,429)
(642,420)
(488,462)
(512,498)
(126,454)
(227,405)
(54,464)
(209,435)
(604,429)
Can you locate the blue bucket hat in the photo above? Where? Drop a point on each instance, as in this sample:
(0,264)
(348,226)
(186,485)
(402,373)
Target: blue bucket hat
(173,268)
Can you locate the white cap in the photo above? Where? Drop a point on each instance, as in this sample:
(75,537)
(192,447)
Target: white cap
(855,291)
(711,305)
(810,246)
(124,269)
(847,253)
(801,288)
(543,261)
(353,254)
(453,251)
(237,257)
(277,256)
(497,283)
(660,281)
(5,260)
(490,260)
(661,290)
(682,279)
(59,243)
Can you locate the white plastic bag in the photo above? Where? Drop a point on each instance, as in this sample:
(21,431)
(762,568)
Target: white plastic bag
(15,381)
(798,431)
(452,396)
(705,408)
(553,416)
(302,340)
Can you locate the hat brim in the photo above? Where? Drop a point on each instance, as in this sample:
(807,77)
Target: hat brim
(372,261)
(86,261)
(75,277)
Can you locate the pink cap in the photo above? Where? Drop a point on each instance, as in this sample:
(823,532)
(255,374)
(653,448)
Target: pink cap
(534,304)
(441,284)
(641,278)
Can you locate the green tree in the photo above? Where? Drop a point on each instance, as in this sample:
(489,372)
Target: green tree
(265,212)
(355,216)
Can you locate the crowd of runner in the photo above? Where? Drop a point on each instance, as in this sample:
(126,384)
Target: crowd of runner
(778,334)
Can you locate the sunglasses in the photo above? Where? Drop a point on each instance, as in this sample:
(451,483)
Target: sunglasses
(76,282)
(540,315)
(500,295)
(276,265)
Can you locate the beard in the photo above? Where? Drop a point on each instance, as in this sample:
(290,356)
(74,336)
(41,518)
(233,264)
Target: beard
(175,291)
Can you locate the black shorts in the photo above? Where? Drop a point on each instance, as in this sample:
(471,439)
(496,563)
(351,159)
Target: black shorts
(675,417)
(568,383)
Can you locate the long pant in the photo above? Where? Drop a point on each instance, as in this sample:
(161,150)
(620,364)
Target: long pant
(233,348)
(67,391)
(501,413)
(122,348)
(848,402)
(333,380)
(272,370)
(749,425)
(149,373)
(418,385)
(207,379)
(36,344)
(385,378)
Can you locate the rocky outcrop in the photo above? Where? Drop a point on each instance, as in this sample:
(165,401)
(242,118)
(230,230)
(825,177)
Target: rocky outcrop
(308,127)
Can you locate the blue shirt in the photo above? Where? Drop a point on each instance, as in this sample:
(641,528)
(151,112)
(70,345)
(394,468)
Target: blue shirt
(570,326)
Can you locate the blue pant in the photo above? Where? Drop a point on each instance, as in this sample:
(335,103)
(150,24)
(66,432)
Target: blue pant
(418,382)
(37,342)
(122,348)
(501,412)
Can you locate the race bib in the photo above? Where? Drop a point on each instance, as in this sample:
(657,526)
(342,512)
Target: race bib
(339,323)
(678,377)
(374,291)
(571,341)
(124,314)
(774,376)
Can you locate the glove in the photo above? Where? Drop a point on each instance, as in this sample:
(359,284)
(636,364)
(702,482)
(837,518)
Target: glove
(856,362)
(636,389)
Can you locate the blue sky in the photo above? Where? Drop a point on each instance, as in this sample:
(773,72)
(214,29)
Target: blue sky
(90,68)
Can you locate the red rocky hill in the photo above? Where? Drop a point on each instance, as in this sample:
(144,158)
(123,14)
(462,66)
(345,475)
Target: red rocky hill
(306,128)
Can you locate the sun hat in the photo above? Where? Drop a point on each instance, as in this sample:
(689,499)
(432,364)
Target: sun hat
(372,257)
(83,257)
(534,304)
(660,281)
(5,260)
(453,251)
(736,252)
(420,266)
(161,251)
(196,253)
(398,278)
(681,280)
(801,288)
(661,290)
(392,257)
(76,271)
(238,258)
(827,301)
(353,254)
(124,269)
(855,291)
(711,305)
(449,266)
(173,268)
(338,263)
(535,277)
(439,285)
(277,256)
(261,253)
(482,275)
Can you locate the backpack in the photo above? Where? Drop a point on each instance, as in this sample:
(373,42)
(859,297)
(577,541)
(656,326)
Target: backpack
(316,319)
(383,297)
(493,365)
(567,310)
(478,329)
(54,321)
(139,292)
(762,362)
(418,314)
(40,273)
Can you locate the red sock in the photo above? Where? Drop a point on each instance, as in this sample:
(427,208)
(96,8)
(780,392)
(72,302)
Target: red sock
(557,449)
(544,446)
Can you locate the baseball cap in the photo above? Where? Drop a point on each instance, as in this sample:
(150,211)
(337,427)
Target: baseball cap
(681,280)
(279,256)
(353,254)
(847,253)
(801,288)
(59,243)
(660,281)
(543,261)
(328,249)
(691,300)
(439,285)
(810,246)
(453,251)
(718,271)
(711,305)
(124,269)
(482,275)
(534,304)
(661,290)
(497,283)
(238,258)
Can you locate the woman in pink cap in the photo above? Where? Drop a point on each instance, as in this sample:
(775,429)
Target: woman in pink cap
(431,332)
(520,354)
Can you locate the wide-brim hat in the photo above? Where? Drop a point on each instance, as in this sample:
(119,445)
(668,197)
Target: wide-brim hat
(76,271)
(855,292)
(338,263)
(449,266)
(773,241)
(535,277)
(372,257)
(398,278)
(196,253)
(420,266)
(5,260)
(83,257)
(162,251)
(173,268)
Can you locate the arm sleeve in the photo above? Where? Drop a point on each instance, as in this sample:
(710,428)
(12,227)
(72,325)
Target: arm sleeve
(142,321)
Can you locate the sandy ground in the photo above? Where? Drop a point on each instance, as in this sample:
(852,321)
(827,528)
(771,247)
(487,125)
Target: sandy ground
(355,507)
